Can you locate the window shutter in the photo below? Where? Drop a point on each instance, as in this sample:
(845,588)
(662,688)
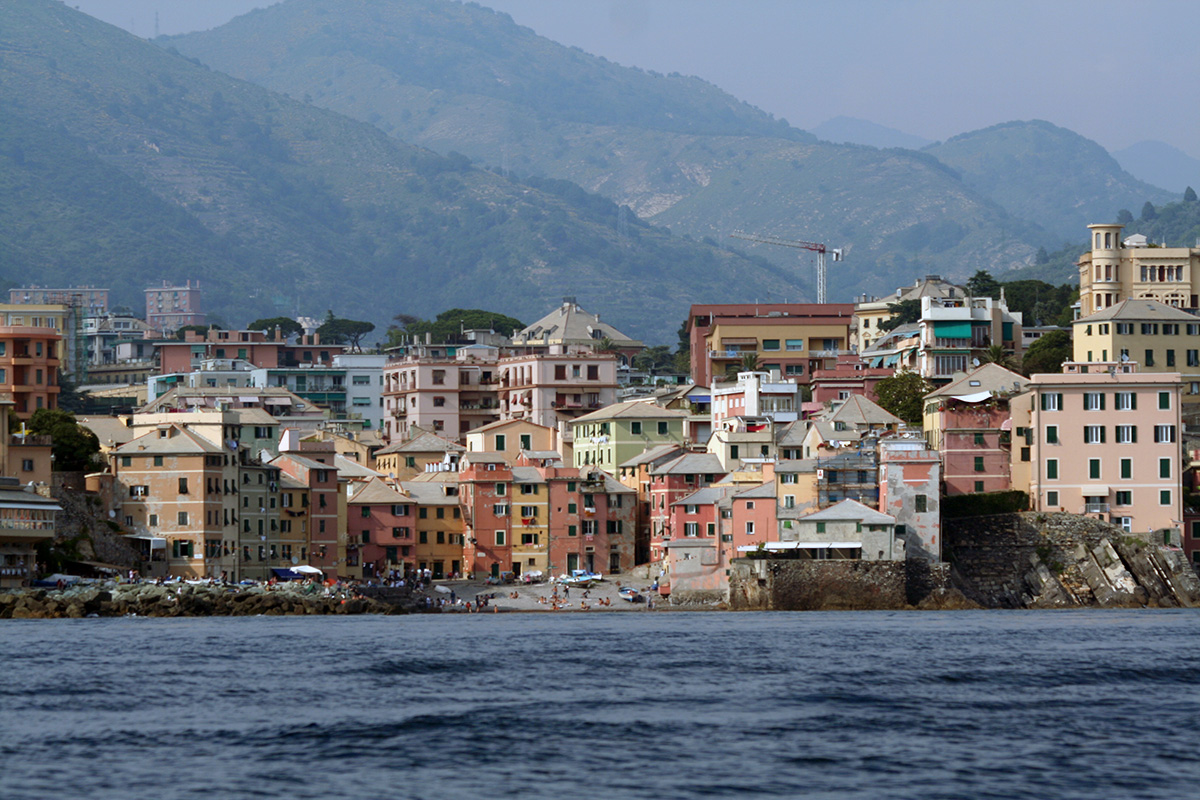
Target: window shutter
(1045,402)
(1133,403)
(1102,408)
(1103,428)
(1059,398)
(1133,433)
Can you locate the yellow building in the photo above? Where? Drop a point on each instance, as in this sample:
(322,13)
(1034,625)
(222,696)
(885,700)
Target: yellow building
(870,313)
(1119,269)
(1155,336)
(405,460)
(439,543)
(530,503)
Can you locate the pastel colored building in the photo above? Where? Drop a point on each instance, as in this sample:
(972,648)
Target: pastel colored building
(849,375)
(485,481)
(871,312)
(26,520)
(613,435)
(909,491)
(423,452)
(792,339)
(1103,440)
(955,332)
(169,308)
(569,325)
(1117,269)
(313,466)
(847,529)
(91,301)
(670,482)
(441,524)
(553,389)
(756,394)
(29,365)
(382,520)
(1155,336)
(969,422)
(511,437)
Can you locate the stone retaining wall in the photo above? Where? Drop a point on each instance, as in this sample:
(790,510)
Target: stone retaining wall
(792,585)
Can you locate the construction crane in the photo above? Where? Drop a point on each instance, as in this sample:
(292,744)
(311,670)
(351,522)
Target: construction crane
(815,247)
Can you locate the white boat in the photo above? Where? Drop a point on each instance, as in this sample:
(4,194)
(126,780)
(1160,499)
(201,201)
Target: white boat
(630,595)
(580,578)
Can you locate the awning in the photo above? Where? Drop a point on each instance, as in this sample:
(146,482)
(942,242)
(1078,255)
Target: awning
(891,360)
(738,340)
(1094,491)
(278,401)
(977,397)
(305,569)
(773,546)
(960,329)
(877,361)
(1006,425)
(286,574)
(224,399)
(248,399)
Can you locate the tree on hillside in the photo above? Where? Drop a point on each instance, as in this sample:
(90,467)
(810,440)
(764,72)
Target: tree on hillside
(287,326)
(903,394)
(74,448)
(982,284)
(903,313)
(1149,212)
(1124,216)
(339,331)
(653,359)
(1189,195)
(181,334)
(1047,354)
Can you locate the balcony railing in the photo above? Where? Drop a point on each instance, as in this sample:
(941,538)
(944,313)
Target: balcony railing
(1095,508)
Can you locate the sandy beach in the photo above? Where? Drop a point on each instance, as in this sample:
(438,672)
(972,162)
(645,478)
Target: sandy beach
(540,596)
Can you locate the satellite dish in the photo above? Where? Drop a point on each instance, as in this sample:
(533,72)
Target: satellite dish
(295,560)
(974,362)
(1124,357)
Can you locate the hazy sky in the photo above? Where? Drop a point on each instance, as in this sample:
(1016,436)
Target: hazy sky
(1116,72)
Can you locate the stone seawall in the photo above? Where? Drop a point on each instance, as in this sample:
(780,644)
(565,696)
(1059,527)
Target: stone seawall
(1049,560)
(791,585)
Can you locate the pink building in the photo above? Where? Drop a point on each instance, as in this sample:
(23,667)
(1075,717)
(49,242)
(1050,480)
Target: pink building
(551,389)
(753,518)
(592,521)
(849,375)
(485,492)
(382,523)
(968,421)
(169,308)
(312,464)
(1102,439)
(670,483)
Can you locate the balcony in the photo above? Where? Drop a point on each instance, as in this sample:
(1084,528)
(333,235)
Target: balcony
(1095,508)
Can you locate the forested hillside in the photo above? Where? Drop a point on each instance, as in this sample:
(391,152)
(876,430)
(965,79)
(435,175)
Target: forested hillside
(122,164)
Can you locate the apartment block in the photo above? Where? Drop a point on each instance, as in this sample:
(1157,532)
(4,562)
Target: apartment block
(613,435)
(169,308)
(1155,336)
(792,339)
(1103,440)
(956,332)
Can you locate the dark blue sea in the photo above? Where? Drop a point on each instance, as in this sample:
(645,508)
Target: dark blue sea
(1087,704)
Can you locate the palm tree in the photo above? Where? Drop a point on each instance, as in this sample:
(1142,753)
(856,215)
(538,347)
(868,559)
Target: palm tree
(996,354)
(750,362)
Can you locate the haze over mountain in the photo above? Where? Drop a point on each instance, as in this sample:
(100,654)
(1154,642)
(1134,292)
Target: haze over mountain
(1161,164)
(461,77)
(121,164)
(848,130)
(1039,171)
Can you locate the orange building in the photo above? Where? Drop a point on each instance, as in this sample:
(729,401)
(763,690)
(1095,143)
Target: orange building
(29,367)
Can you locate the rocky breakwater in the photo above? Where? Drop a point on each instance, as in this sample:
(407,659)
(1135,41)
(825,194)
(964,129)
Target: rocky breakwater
(1039,560)
(188,600)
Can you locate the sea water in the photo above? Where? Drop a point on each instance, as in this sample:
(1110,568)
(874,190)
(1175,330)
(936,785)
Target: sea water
(1069,704)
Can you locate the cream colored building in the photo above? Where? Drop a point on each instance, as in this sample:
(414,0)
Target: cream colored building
(870,313)
(1155,336)
(1119,269)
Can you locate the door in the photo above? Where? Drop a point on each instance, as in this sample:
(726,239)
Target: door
(590,558)
(572,562)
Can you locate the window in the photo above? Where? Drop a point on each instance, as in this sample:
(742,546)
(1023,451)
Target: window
(979,463)
(366,511)
(529,538)
(572,530)
(1052,401)
(500,441)
(789,501)
(820,527)
(750,528)
(1149,359)
(920,505)
(1052,498)
(1094,469)
(1170,358)
(1126,401)
(182,518)
(1164,400)
(979,440)
(560,372)
(770,344)
(1125,498)
(978,488)
(439,402)
(691,529)
(526,441)
(1126,468)
(501,489)
(423,536)
(126,461)
(635,428)
(1052,469)
(733,451)
(441,513)
(794,344)
(1051,434)
(158,461)
(528,512)
(663,428)
(1093,434)
(183,486)
(1164,497)
(1126,434)
(1164,468)
(500,510)
(1093,401)
(500,538)
(529,488)
(789,477)
(1164,434)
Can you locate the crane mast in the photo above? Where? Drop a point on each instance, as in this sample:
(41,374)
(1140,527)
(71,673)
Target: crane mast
(816,247)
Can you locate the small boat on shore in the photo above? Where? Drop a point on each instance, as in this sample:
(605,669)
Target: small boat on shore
(630,595)
(580,578)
